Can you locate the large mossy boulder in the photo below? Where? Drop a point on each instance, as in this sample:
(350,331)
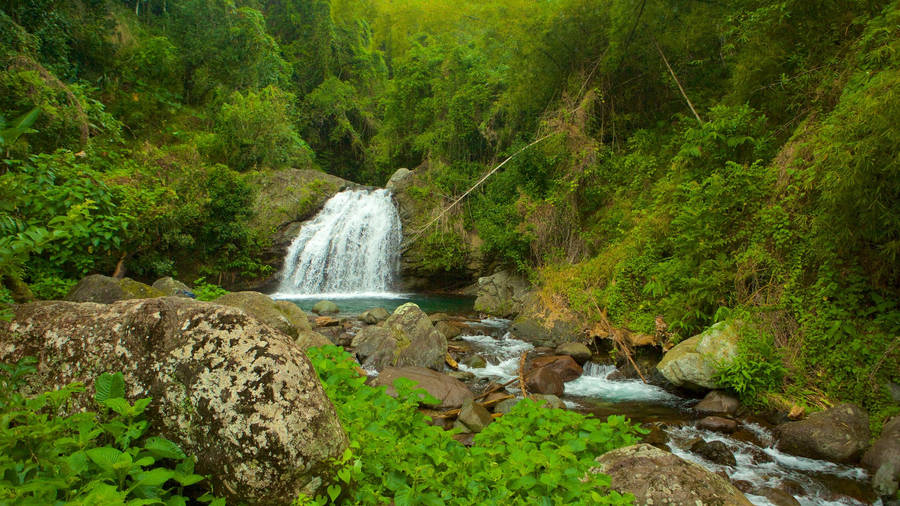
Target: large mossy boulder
(280,315)
(236,394)
(106,290)
(501,294)
(839,434)
(694,363)
(408,338)
(883,459)
(174,288)
(544,322)
(658,477)
(450,392)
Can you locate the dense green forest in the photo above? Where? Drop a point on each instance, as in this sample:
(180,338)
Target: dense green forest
(695,157)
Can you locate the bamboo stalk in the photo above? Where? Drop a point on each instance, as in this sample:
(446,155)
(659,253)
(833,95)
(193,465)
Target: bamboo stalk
(683,94)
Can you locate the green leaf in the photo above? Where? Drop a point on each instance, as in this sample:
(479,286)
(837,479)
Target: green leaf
(109,386)
(105,457)
(155,477)
(162,448)
(334,491)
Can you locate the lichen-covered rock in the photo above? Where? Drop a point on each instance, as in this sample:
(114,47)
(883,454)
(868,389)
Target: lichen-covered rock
(839,434)
(235,393)
(659,478)
(399,179)
(407,339)
(106,290)
(309,339)
(883,459)
(694,363)
(282,315)
(543,322)
(174,288)
(578,351)
(450,392)
(501,294)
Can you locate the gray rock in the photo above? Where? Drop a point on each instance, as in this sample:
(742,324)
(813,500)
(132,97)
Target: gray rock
(883,459)
(576,350)
(309,339)
(238,395)
(474,416)
(172,287)
(714,451)
(694,363)
(550,401)
(325,307)
(839,434)
(399,179)
(501,294)
(418,342)
(544,326)
(373,316)
(718,402)
(451,393)
(448,329)
(506,406)
(655,476)
(282,316)
(106,290)
(475,361)
(778,497)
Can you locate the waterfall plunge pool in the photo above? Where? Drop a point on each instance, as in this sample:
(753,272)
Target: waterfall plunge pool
(356,303)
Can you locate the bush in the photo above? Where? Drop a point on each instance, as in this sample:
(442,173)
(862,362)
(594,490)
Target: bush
(396,457)
(48,456)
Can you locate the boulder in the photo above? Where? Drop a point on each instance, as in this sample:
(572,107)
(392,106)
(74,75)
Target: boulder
(237,394)
(325,307)
(373,316)
(550,401)
(309,339)
(718,424)
(716,452)
(451,393)
(106,290)
(657,477)
(883,459)
(545,322)
(418,343)
(174,288)
(563,366)
(777,497)
(501,294)
(545,381)
(839,434)
(504,407)
(694,363)
(260,306)
(474,361)
(577,351)
(718,402)
(401,178)
(449,329)
(474,416)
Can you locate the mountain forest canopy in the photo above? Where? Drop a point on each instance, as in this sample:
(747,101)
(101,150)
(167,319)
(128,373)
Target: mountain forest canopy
(697,158)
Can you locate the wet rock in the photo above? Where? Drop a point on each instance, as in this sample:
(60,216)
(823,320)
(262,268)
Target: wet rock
(501,294)
(694,363)
(656,437)
(492,398)
(474,416)
(883,459)
(461,375)
(545,381)
(374,316)
(578,351)
(563,366)
(174,288)
(450,392)
(839,434)
(718,402)
(475,361)
(655,476)
(325,307)
(235,393)
(449,329)
(308,339)
(550,401)
(778,497)
(282,315)
(718,424)
(716,452)
(106,290)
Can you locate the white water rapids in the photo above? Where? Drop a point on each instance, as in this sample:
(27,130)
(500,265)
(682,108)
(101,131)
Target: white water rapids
(351,247)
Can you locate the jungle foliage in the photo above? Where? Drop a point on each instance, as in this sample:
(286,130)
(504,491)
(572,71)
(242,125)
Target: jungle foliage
(780,197)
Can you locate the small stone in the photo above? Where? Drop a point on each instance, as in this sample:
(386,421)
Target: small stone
(796,412)
(373,316)
(474,416)
(551,401)
(448,329)
(327,321)
(718,424)
(325,307)
(778,497)
(438,317)
(718,402)
(506,406)
(714,451)
(475,361)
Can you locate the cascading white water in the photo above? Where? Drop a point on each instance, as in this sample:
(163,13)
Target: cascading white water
(351,246)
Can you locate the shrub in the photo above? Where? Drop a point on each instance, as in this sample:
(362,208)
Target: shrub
(531,454)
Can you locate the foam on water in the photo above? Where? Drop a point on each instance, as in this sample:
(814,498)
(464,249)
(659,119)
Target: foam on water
(594,383)
(502,355)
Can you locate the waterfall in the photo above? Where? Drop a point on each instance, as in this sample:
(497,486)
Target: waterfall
(351,246)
